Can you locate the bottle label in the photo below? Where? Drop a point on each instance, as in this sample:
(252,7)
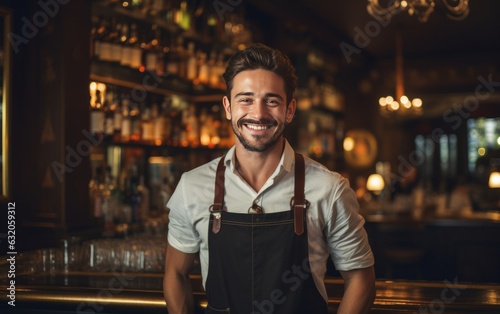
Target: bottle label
(136,58)
(109,126)
(116,51)
(191,68)
(125,57)
(105,52)
(117,121)
(125,128)
(159,129)
(135,129)
(96,121)
(97,47)
(151,61)
(147,131)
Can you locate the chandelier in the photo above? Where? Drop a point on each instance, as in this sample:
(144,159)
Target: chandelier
(400,104)
(385,9)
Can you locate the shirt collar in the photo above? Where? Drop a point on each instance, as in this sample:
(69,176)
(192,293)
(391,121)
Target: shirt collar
(286,161)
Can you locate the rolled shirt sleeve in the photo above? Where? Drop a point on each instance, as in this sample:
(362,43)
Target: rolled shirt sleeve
(181,233)
(345,233)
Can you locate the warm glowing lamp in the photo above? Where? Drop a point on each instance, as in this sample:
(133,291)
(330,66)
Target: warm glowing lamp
(375,183)
(494,180)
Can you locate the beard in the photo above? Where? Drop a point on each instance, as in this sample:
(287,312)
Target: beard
(258,143)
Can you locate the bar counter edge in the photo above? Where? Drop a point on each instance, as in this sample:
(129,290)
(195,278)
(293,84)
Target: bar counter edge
(141,292)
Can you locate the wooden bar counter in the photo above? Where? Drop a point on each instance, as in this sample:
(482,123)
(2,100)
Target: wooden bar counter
(88,292)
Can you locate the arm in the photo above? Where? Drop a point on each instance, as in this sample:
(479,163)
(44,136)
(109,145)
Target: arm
(176,283)
(359,291)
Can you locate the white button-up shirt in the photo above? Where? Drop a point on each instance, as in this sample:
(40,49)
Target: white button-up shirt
(334,226)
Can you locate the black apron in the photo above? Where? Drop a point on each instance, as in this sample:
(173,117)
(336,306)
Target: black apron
(259,263)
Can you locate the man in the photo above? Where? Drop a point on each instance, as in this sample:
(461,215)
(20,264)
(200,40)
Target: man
(263,218)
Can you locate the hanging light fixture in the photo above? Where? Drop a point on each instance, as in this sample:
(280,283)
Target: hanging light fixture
(454,9)
(400,104)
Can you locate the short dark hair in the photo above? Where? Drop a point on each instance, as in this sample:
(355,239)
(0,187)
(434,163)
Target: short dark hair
(260,56)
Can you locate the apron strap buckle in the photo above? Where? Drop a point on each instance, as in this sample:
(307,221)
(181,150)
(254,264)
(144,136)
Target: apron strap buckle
(298,215)
(216,211)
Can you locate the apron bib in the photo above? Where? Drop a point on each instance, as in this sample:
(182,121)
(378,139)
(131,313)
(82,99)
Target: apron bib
(259,263)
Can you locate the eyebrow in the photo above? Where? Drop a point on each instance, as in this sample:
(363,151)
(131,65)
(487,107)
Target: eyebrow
(267,95)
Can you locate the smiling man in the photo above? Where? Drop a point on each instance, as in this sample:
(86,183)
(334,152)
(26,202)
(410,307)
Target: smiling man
(264,219)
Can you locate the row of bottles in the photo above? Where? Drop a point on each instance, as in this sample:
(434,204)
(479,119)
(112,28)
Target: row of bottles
(190,16)
(147,45)
(125,199)
(157,120)
(126,45)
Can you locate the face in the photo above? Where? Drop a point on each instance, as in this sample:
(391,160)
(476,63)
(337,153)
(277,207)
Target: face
(258,109)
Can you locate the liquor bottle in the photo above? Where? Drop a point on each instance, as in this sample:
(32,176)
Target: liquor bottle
(216,126)
(204,128)
(211,26)
(136,51)
(152,49)
(116,47)
(167,120)
(108,109)
(185,16)
(213,74)
(131,195)
(147,126)
(172,64)
(117,119)
(94,37)
(163,51)
(177,128)
(134,201)
(203,68)
(108,201)
(95,193)
(192,127)
(105,48)
(97,116)
(158,123)
(135,122)
(126,50)
(219,70)
(126,123)
(181,57)
(191,66)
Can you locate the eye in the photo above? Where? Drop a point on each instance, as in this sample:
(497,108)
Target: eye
(245,100)
(273,102)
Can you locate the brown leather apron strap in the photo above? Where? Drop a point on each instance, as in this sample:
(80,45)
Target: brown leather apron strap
(218,205)
(298,202)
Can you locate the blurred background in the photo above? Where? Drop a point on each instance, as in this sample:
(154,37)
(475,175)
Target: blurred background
(105,103)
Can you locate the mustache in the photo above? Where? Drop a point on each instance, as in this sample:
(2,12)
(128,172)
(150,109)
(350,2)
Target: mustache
(260,121)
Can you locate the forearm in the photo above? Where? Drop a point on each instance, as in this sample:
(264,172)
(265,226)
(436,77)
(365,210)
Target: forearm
(178,294)
(359,293)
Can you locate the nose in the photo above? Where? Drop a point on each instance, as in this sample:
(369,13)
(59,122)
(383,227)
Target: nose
(259,109)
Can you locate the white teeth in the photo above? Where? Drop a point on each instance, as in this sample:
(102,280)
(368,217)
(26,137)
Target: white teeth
(256,127)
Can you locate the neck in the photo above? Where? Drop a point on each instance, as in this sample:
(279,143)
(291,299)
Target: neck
(256,167)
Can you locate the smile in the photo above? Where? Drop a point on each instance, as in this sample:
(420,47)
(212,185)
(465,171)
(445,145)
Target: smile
(257,127)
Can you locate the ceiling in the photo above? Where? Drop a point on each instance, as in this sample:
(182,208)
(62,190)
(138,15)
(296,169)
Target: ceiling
(478,32)
(335,21)
(443,57)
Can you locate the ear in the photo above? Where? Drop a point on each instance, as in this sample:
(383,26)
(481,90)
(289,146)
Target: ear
(227,107)
(290,111)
